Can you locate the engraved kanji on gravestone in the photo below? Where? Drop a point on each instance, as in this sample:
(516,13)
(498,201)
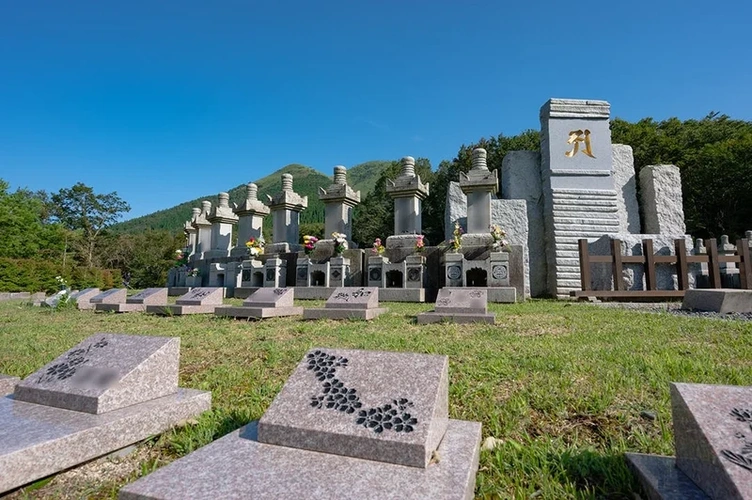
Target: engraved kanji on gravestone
(575,138)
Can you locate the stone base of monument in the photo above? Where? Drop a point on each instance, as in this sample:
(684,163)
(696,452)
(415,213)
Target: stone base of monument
(238,466)
(348,303)
(346,424)
(500,294)
(243,292)
(177,291)
(713,446)
(105,393)
(720,300)
(7,384)
(459,305)
(314,292)
(402,294)
(264,303)
(200,300)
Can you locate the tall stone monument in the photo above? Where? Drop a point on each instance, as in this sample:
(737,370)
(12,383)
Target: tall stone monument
(285,208)
(222,218)
(251,215)
(580,200)
(339,200)
(479,185)
(408,193)
(203,231)
(190,231)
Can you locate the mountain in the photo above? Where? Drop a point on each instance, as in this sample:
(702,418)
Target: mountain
(306,182)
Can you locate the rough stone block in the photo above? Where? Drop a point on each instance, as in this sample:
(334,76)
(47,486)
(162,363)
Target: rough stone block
(239,466)
(720,300)
(712,437)
(105,372)
(7,384)
(382,406)
(512,217)
(625,183)
(661,196)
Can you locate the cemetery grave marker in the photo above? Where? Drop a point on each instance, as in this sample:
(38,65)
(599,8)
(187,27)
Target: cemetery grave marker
(349,303)
(201,300)
(713,441)
(460,305)
(111,296)
(83,298)
(264,303)
(138,302)
(348,423)
(107,392)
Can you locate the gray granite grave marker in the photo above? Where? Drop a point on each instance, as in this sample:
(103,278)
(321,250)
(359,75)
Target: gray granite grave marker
(139,301)
(54,300)
(349,303)
(83,298)
(107,392)
(264,303)
(387,409)
(713,440)
(7,384)
(111,296)
(203,300)
(460,305)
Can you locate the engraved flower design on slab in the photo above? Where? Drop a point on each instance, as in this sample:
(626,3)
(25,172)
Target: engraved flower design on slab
(744,458)
(324,365)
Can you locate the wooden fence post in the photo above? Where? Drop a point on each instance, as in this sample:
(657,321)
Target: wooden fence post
(647,252)
(582,245)
(680,249)
(714,270)
(617,264)
(745,266)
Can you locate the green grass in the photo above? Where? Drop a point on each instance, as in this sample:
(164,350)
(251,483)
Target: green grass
(562,385)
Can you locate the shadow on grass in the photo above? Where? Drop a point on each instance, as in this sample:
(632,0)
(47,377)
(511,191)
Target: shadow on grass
(605,476)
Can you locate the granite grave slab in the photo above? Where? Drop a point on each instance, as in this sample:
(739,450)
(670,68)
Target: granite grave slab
(200,300)
(83,298)
(721,300)
(349,303)
(107,392)
(111,296)
(713,441)
(264,303)
(7,384)
(459,305)
(347,424)
(138,302)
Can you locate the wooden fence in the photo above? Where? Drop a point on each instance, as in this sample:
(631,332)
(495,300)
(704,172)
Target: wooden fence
(649,260)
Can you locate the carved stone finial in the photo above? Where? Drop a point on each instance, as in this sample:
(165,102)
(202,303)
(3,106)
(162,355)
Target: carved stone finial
(251,190)
(408,166)
(479,159)
(340,175)
(286,182)
(224,199)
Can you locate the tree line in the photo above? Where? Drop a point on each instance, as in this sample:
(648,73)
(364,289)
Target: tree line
(68,230)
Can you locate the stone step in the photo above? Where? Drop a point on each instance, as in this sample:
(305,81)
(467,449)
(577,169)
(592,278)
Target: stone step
(583,231)
(581,193)
(586,209)
(578,202)
(582,221)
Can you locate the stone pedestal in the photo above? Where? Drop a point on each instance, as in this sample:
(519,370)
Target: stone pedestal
(339,271)
(275,272)
(192,281)
(222,218)
(252,274)
(408,193)
(285,208)
(415,269)
(453,269)
(376,270)
(661,196)
(499,264)
(203,232)
(251,215)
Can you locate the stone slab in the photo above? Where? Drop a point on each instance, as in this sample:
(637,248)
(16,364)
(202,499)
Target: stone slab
(179,310)
(121,308)
(7,384)
(37,440)
(202,296)
(105,372)
(713,437)
(353,298)
(177,291)
(83,298)
(331,313)
(53,300)
(383,406)
(720,300)
(314,292)
(149,296)
(661,479)
(402,294)
(111,296)
(437,317)
(271,297)
(500,294)
(462,301)
(257,312)
(238,466)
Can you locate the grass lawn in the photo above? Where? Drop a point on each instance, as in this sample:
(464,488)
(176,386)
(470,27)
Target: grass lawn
(565,387)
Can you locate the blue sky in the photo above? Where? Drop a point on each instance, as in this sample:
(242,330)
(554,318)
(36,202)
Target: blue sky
(167,101)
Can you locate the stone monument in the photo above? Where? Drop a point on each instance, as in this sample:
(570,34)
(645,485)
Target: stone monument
(203,231)
(137,302)
(408,193)
(250,215)
(264,303)
(347,424)
(459,305)
(196,301)
(479,185)
(222,218)
(348,303)
(111,296)
(190,231)
(285,209)
(339,200)
(107,392)
(83,298)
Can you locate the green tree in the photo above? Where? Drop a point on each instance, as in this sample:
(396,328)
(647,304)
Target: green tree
(80,209)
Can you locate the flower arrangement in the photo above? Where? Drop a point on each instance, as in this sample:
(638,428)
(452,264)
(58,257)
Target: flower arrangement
(65,301)
(340,242)
(309,244)
(181,258)
(420,243)
(255,247)
(499,237)
(378,248)
(456,241)
(193,272)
